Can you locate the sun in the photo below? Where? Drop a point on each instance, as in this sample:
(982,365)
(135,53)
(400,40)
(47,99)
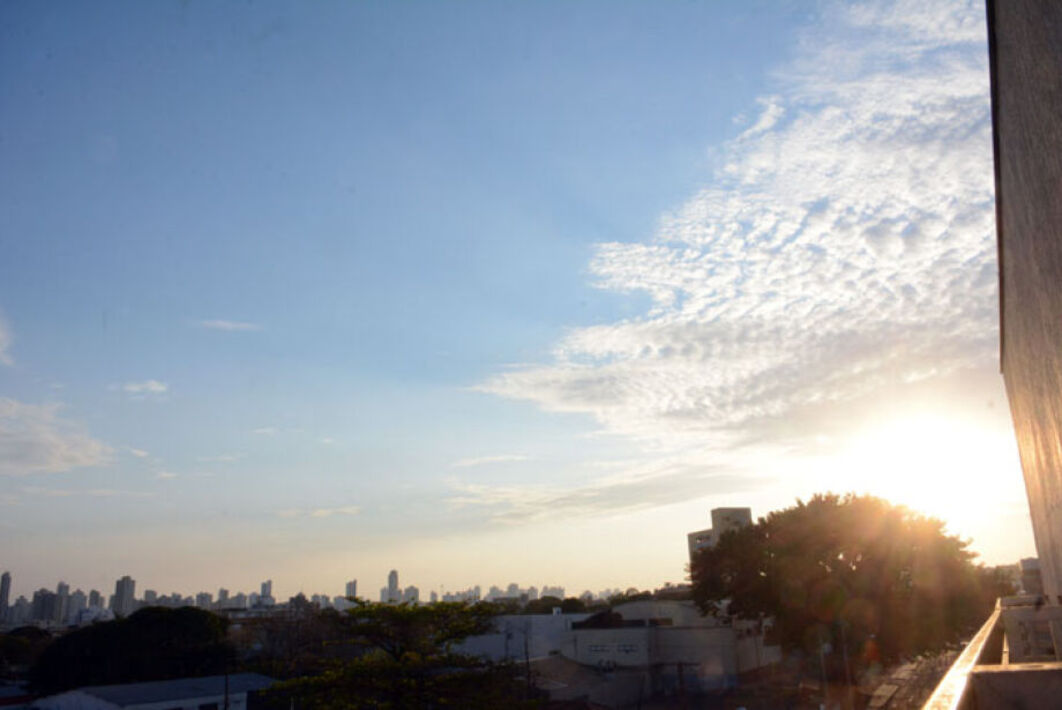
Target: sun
(945,466)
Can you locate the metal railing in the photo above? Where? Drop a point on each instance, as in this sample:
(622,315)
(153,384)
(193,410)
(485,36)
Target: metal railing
(952,692)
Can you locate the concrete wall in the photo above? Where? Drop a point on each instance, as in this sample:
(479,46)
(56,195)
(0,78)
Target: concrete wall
(544,634)
(1026,38)
(621,648)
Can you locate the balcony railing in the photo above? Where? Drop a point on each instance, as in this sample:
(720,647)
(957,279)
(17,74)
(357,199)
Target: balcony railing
(1010,662)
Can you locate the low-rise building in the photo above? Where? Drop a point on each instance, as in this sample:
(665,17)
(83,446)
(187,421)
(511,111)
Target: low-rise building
(209,693)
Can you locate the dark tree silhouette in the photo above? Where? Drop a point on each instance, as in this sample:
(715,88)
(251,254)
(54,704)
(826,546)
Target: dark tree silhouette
(853,570)
(151,644)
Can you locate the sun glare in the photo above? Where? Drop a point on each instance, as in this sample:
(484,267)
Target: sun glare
(946,467)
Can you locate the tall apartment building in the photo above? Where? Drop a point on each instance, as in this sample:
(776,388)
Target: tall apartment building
(5,594)
(723,520)
(124,600)
(352,588)
(392,593)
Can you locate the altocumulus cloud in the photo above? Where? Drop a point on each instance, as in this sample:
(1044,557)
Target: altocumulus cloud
(844,245)
(34,439)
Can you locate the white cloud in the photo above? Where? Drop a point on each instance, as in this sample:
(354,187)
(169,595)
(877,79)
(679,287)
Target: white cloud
(35,439)
(319,512)
(485,460)
(221,458)
(146,387)
(844,246)
(84,492)
(139,453)
(265,431)
(166,475)
(229,325)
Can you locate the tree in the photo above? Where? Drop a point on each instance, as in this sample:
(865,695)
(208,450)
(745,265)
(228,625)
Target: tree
(542,605)
(409,661)
(853,570)
(151,644)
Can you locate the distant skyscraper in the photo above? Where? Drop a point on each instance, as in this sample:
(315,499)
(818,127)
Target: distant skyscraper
(95,599)
(74,604)
(394,592)
(223,598)
(352,588)
(46,606)
(5,593)
(267,588)
(151,597)
(124,596)
(204,600)
(63,591)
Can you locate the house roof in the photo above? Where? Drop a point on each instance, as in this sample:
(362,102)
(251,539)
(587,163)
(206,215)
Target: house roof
(177,689)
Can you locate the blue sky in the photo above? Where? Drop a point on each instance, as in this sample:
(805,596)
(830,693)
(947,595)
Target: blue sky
(308,294)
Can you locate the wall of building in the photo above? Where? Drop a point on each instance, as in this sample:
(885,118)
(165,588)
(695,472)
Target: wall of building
(619,648)
(544,634)
(1027,106)
(78,700)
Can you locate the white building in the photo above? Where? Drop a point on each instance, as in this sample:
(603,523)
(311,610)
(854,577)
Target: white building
(723,520)
(181,694)
(646,648)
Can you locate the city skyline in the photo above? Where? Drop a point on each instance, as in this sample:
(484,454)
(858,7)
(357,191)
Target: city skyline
(487,292)
(124,599)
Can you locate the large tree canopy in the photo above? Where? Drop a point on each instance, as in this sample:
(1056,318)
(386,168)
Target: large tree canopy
(152,644)
(879,578)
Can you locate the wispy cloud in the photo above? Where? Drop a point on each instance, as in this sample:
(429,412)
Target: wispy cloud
(265,431)
(221,458)
(229,325)
(84,492)
(145,388)
(843,246)
(486,460)
(166,475)
(35,439)
(319,512)
(641,486)
(139,453)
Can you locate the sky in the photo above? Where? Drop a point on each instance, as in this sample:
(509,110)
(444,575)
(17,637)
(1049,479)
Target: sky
(486,292)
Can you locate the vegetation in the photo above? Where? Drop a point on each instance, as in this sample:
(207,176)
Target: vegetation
(19,648)
(408,660)
(152,644)
(872,579)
